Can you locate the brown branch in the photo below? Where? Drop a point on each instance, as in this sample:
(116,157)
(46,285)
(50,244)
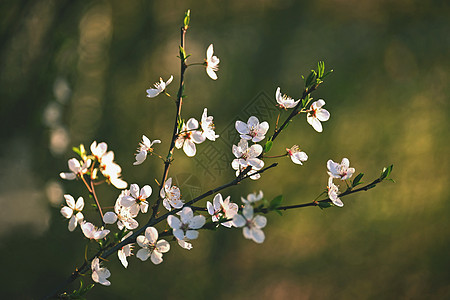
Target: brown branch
(179,103)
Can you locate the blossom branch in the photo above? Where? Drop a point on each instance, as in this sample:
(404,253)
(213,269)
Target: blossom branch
(295,111)
(91,189)
(179,103)
(266,210)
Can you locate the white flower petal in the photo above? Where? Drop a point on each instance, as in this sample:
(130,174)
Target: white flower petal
(110,218)
(143,254)
(151,234)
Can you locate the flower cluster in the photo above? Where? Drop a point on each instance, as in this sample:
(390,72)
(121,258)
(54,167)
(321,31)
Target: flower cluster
(340,171)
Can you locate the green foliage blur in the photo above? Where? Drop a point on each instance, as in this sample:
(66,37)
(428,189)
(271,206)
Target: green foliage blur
(73,72)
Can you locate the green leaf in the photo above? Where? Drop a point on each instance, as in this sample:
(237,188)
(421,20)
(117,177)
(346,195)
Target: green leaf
(320,69)
(187,19)
(310,79)
(276,202)
(268,145)
(286,126)
(77,150)
(323,205)
(386,172)
(357,179)
(278,212)
(305,101)
(210,226)
(182,53)
(327,73)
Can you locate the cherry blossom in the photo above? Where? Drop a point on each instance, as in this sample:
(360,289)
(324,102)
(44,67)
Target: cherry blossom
(123,215)
(171,195)
(73,211)
(112,171)
(151,247)
(253,130)
(296,155)
(316,114)
(92,232)
(125,251)
(159,87)
(333,192)
(208,126)
(76,169)
(284,101)
(189,136)
(99,273)
(185,227)
(144,147)
(252,198)
(137,199)
(221,208)
(251,224)
(247,156)
(98,150)
(212,63)
(341,171)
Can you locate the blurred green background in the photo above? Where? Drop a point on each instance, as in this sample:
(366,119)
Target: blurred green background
(76,71)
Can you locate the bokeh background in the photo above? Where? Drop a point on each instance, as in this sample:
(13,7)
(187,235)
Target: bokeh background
(76,71)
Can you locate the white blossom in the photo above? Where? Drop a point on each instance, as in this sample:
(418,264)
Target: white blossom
(252,198)
(125,251)
(284,101)
(253,130)
(296,155)
(171,195)
(208,126)
(144,147)
(136,199)
(212,63)
(159,87)
(112,171)
(341,171)
(151,247)
(185,227)
(92,232)
(252,225)
(247,157)
(333,192)
(221,208)
(123,215)
(99,273)
(316,114)
(76,169)
(189,136)
(73,211)
(98,150)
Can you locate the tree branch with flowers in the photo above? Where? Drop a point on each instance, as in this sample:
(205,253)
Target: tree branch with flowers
(172,220)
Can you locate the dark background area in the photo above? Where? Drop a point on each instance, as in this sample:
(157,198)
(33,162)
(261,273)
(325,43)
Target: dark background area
(76,71)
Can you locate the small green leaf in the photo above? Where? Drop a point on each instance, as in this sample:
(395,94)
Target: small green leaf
(210,226)
(276,202)
(305,101)
(76,150)
(327,73)
(278,212)
(323,205)
(182,53)
(357,179)
(310,79)
(268,146)
(187,19)
(320,69)
(386,172)
(286,126)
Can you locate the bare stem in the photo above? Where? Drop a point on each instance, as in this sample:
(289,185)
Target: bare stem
(179,103)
